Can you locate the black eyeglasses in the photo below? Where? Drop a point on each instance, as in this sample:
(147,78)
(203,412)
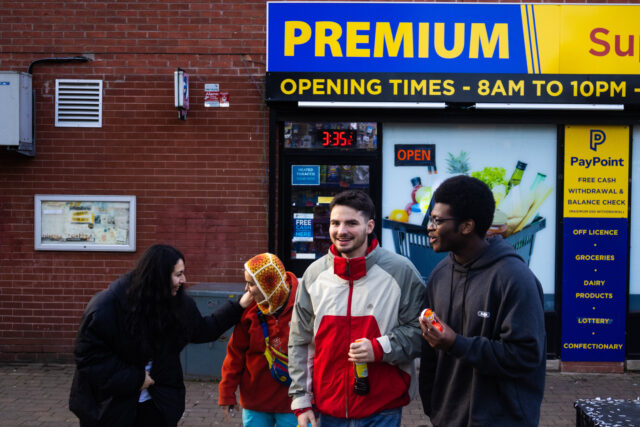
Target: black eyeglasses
(437,222)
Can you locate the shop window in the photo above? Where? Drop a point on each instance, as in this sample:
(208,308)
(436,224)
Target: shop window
(517,162)
(320,160)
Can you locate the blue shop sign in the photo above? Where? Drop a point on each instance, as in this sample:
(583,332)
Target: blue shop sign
(595,288)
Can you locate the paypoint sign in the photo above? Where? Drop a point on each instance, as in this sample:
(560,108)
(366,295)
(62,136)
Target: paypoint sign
(430,52)
(595,242)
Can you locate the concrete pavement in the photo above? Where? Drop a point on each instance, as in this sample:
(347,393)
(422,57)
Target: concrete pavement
(37,395)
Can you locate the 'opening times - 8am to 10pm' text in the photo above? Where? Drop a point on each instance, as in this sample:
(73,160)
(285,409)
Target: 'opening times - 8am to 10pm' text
(456,88)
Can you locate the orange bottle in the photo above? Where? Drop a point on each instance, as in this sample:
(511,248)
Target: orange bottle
(430,317)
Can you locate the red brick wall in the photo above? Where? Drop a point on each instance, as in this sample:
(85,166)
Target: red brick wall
(201,184)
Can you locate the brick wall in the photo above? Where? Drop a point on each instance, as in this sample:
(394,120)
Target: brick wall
(201,184)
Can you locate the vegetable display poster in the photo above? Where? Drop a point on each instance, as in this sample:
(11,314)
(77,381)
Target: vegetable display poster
(518,163)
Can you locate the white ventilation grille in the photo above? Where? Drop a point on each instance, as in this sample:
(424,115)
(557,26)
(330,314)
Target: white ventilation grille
(79,103)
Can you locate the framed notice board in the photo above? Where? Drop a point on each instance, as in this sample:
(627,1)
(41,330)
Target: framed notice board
(85,223)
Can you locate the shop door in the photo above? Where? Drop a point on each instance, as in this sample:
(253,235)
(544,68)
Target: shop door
(319,161)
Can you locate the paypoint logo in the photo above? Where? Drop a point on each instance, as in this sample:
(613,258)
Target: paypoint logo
(597,137)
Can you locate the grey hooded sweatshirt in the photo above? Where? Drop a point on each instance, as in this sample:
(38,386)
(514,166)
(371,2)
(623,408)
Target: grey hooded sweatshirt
(494,373)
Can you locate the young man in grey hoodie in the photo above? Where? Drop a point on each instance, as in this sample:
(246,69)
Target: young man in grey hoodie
(487,366)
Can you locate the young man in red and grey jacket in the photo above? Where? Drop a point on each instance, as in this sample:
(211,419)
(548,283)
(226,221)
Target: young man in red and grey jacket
(358,291)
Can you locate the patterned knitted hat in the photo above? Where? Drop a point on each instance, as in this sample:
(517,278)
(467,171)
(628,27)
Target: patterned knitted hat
(270,276)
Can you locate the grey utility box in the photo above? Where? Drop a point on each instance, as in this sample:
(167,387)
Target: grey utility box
(16,115)
(204,361)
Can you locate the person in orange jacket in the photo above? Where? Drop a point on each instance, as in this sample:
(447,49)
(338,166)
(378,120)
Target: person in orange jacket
(256,360)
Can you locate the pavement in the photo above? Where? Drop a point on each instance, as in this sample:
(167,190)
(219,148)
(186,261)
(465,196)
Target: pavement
(37,395)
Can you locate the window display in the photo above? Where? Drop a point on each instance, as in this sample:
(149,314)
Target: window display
(310,204)
(346,136)
(323,158)
(512,160)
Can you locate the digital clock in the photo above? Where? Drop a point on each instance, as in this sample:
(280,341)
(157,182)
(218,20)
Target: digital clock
(344,138)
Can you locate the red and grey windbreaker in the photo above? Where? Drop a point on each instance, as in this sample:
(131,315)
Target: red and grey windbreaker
(339,300)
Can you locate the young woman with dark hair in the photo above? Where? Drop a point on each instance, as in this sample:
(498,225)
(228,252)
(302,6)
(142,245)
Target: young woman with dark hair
(127,351)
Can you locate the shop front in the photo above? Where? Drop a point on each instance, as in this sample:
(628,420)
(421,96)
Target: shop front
(393,98)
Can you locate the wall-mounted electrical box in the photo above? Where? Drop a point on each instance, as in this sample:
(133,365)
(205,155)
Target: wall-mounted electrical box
(16,113)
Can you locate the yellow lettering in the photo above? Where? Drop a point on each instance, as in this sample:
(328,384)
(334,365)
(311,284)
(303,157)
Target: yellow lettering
(434,87)
(357,86)
(448,87)
(354,39)
(303,86)
(516,88)
(418,86)
(479,37)
(331,39)
(498,87)
(290,37)
(458,41)
(374,87)
(395,83)
(619,89)
(423,42)
(384,37)
(333,87)
(538,84)
(318,86)
(288,86)
(554,88)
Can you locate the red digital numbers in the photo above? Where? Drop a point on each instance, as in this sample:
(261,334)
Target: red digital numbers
(337,138)
(326,137)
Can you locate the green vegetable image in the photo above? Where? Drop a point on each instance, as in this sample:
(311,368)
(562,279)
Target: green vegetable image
(458,164)
(491,176)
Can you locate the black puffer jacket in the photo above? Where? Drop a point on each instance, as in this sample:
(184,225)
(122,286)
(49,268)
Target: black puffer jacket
(110,363)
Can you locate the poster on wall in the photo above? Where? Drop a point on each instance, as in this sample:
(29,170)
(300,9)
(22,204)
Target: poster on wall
(596,169)
(514,161)
(302,227)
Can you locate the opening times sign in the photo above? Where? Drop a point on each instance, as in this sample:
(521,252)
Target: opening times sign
(596,166)
(453,87)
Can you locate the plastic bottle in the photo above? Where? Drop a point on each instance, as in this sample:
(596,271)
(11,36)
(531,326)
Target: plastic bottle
(361,377)
(516,176)
(429,316)
(417,216)
(540,177)
(417,184)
